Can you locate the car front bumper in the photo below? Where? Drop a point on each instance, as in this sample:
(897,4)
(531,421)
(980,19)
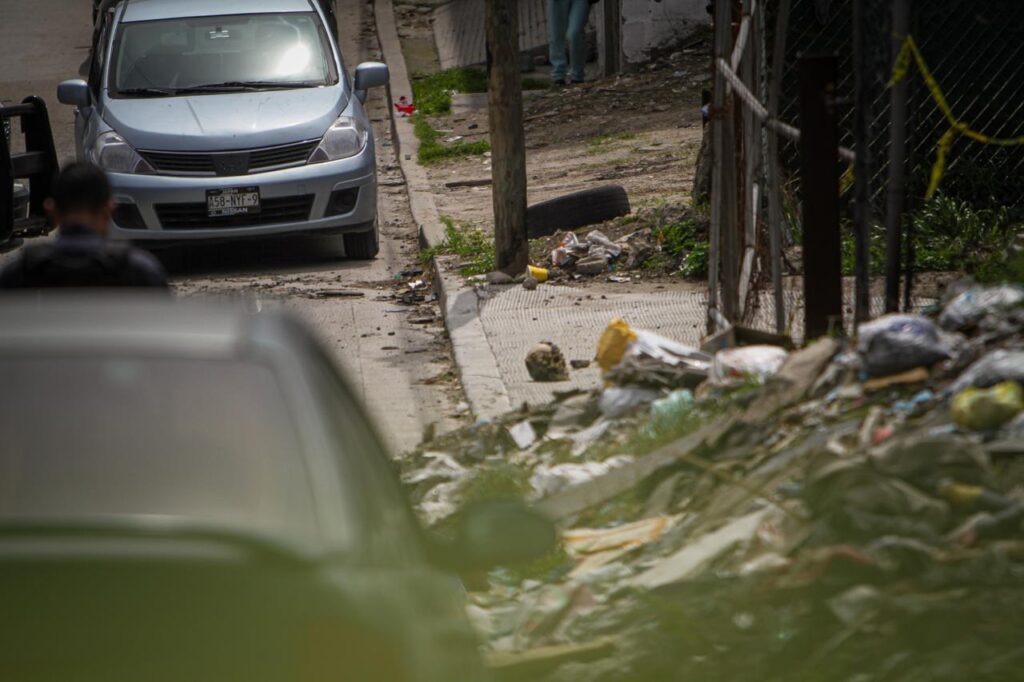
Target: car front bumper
(335,196)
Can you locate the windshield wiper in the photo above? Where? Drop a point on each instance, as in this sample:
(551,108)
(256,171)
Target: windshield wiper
(229,86)
(147,92)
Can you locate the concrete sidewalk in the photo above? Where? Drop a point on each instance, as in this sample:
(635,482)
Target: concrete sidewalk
(492,328)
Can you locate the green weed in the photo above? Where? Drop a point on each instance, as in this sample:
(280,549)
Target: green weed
(949,234)
(433,93)
(686,243)
(433,149)
(601,143)
(467,243)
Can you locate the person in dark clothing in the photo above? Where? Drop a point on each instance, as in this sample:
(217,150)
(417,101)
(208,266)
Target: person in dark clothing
(81,256)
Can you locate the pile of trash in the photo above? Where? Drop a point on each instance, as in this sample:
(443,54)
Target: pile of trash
(851,510)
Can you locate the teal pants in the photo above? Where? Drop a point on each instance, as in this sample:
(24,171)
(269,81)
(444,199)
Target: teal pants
(567,19)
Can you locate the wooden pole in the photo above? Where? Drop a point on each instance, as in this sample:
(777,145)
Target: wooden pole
(819,186)
(508,147)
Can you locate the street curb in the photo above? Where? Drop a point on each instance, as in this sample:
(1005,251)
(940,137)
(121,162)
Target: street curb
(460,305)
(421,198)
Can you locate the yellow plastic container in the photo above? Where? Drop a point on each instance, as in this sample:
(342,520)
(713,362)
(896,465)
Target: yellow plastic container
(539,274)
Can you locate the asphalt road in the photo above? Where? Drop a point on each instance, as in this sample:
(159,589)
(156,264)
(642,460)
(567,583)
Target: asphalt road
(392,362)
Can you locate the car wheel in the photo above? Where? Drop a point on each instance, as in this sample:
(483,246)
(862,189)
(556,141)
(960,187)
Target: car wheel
(362,245)
(588,207)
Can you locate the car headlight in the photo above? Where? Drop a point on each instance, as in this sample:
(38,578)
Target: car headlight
(347,137)
(111,153)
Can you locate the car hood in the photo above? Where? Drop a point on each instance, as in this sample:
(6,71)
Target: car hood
(215,122)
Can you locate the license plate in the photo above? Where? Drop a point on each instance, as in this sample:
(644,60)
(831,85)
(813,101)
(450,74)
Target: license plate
(235,201)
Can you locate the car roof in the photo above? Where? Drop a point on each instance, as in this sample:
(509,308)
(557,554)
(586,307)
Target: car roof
(121,324)
(150,10)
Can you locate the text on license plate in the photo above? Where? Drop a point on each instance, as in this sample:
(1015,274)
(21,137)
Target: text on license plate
(235,201)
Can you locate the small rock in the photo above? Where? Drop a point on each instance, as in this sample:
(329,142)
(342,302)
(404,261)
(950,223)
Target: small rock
(530,283)
(499,277)
(579,364)
(545,362)
(592,265)
(473,126)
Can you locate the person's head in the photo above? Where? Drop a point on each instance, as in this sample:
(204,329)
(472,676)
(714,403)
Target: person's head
(81,196)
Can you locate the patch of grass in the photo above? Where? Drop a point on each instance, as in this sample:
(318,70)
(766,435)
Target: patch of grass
(495,482)
(467,243)
(600,144)
(433,149)
(433,94)
(686,243)
(950,234)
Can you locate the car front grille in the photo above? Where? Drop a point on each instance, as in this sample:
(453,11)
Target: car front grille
(272,212)
(239,162)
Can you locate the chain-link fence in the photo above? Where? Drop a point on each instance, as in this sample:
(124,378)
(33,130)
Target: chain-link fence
(974,52)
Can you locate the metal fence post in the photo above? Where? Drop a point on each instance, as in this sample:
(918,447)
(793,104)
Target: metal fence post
(774,164)
(897,165)
(862,165)
(723,176)
(819,185)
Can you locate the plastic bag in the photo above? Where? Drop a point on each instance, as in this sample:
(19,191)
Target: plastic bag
(994,368)
(619,340)
(616,401)
(547,480)
(970,307)
(896,343)
(598,240)
(568,250)
(670,410)
(614,341)
(982,409)
(735,365)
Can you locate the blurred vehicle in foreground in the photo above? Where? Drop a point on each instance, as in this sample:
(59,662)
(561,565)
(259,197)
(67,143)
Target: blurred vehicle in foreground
(193,492)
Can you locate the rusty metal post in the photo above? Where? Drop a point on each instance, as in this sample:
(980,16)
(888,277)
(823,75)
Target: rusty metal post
(897,162)
(862,166)
(819,187)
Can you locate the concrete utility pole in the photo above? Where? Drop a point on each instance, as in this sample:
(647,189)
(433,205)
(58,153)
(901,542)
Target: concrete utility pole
(508,146)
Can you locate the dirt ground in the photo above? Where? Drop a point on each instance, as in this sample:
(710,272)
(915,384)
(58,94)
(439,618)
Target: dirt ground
(640,130)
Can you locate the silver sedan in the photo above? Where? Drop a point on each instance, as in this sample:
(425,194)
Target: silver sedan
(228,119)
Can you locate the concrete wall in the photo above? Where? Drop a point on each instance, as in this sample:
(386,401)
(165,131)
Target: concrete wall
(649,24)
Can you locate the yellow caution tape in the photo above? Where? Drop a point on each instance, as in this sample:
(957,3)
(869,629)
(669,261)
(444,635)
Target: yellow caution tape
(846,180)
(910,52)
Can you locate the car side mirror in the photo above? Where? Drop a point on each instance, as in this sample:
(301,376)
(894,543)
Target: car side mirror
(498,533)
(74,92)
(370,75)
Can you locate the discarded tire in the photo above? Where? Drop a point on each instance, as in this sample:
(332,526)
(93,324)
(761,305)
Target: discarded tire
(578,209)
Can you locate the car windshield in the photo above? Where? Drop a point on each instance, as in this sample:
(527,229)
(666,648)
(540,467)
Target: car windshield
(221,54)
(207,442)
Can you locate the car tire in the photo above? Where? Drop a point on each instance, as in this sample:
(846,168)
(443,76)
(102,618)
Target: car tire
(587,207)
(362,245)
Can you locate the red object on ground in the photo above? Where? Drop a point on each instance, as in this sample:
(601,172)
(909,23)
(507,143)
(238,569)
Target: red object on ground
(882,434)
(404,106)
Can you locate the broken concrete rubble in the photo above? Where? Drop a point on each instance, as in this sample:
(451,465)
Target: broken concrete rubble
(827,520)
